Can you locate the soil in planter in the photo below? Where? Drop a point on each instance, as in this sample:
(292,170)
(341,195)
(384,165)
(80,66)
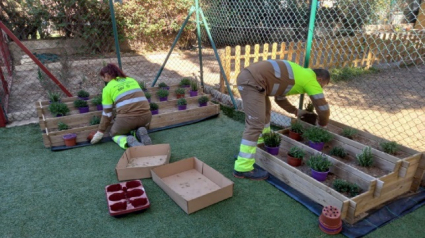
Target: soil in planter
(351,160)
(368,142)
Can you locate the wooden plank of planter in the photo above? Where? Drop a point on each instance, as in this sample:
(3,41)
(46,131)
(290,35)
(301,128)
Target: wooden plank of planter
(173,103)
(55,139)
(71,120)
(420,173)
(339,168)
(176,117)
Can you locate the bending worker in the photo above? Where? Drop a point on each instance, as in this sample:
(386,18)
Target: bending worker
(131,106)
(278,78)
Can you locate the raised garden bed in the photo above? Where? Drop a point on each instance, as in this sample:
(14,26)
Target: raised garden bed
(397,176)
(168,116)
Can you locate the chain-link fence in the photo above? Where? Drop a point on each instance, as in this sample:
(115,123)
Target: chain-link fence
(379,41)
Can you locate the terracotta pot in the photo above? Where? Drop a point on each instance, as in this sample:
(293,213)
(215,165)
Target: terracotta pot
(179,96)
(272,150)
(295,136)
(90,136)
(70,139)
(294,161)
(330,220)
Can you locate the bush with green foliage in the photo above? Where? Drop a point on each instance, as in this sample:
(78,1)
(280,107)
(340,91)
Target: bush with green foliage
(83,94)
(162,85)
(80,103)
(319,162)
(343,186)
(338,151)
(390,147)
(62,126)
(97,100)
(317,134)
(180,91)
(94,120)
(297,127)
(181,102)
(153,106)
(162,93)
(148,95)
(54,96)
(349,132)
(184,82)
(348,73)
(203,99)
(194,86)
(272,139)
(296,152)
(58,108)
(142,85)
(365,158)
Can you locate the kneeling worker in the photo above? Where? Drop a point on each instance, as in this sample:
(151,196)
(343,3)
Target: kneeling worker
(278,78)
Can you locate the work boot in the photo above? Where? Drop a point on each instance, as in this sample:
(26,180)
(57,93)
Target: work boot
(132,141)
(255,174)
(143,137)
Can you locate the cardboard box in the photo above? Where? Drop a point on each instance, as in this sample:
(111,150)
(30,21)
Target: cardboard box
(137,162)
(192,184)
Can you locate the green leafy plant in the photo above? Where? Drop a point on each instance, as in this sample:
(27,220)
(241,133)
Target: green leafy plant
(338,151)
(203,99)
(272,139)
(349,132)
(148,95)
(194,85)
(83,94)
(365,158)
(58,108)
(309,107)
(181,102)
(153,106)
(54,96)
(390,147)
(317,134)
(296,152)
(185,82)
(97,100)
(180,91)
(297,127)
(142,85)
(344,186)
(162,85)
(348,73)
(80,103)
(162,93)
(94,120)
(319,162)
(62,126)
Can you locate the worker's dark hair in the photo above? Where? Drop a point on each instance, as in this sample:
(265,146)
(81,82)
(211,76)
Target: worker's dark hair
(323,73)
(113,71)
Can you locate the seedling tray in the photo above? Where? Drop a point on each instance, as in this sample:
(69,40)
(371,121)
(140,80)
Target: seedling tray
(126,197)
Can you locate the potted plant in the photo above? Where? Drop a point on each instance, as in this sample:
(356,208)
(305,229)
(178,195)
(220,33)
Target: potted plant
(296,130)
(193,89)
(70,139)
(272,142)
(182,104)
(154,108)
(81,105)
(319,165)
(390,147)
(62,126)
(142,85)
(95,120)
(184,83)
(365,158)
(203,100)
(179,92)
(317,137)
(54,97)
(58,109)
(83,95)
(295,156)
(310,117)
(164,86)
(162,95)
(97,101)
(148,96)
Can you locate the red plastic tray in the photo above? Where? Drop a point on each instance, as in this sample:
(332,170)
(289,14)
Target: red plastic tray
(126,197)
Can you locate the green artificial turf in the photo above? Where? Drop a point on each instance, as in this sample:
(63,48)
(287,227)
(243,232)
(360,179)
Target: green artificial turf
(61,194)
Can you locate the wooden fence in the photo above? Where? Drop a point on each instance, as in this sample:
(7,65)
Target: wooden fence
(361,51)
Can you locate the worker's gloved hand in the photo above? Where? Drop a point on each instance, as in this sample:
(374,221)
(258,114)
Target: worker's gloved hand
(301,113)
(97,137)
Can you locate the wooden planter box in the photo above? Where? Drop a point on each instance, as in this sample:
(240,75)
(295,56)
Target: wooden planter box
(403,176)
(168,115)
